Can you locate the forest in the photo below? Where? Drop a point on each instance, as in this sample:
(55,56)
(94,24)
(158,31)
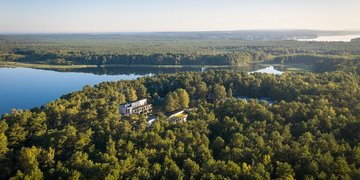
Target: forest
(211,48)
(307,129)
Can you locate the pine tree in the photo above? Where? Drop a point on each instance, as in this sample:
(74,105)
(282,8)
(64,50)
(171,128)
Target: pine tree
(3,139)
(284,170)
(201,90)
(191,168)
(131,94)
(110,147)
(219,91)
(230,93)
(170,102)
(184,99)
(141,91)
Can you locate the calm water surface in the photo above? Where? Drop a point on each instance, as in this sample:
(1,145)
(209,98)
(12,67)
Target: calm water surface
(343,38)
(25,88)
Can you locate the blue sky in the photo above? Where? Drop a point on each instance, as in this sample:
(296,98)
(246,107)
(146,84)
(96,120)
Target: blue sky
(31,16)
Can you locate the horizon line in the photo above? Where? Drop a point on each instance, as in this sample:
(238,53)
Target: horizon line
(180,31)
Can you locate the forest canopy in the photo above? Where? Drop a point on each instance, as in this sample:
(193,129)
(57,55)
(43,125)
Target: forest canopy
(216,49)
(307,128)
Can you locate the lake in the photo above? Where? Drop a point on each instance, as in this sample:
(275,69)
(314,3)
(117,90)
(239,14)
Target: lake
(25,88)
(342,38)
(268,70)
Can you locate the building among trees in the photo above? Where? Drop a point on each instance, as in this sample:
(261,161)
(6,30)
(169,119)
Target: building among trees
(180,116)
(137,107)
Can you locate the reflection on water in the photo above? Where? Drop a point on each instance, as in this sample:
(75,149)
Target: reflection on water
(268,70)
(118,70)
(343,38)
(25,88)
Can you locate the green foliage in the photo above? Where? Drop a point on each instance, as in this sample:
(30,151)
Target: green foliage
(176,100)
(232,49)
(171,102)
(3,140)
(219,91)
(131,94)
(184,99)
(201,90)
(284,171)
(307,127)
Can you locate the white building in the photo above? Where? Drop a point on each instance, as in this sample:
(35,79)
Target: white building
(137,107)
(151,119)
(180,116)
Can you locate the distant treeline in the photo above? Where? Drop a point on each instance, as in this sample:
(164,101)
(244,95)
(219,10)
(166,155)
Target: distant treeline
(320,63)
(172,49)
(71,57)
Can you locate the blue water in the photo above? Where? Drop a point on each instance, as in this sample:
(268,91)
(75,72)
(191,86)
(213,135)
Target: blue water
(25,88)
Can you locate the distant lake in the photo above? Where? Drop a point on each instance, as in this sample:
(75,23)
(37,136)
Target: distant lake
(268,70)
(25,88)
(342,38)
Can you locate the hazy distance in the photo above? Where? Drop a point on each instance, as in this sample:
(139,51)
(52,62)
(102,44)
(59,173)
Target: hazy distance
(44,16)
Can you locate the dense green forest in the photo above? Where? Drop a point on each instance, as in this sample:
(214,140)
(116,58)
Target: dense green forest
(308,129)
(212,48)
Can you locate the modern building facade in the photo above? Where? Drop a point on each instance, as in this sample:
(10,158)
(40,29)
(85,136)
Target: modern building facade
(137,107)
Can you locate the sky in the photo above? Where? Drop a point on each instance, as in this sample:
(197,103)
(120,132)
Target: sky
(69,16)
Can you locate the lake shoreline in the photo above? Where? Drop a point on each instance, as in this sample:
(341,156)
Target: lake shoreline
(331,38)
(26,88)
(49,66)
(43,66)
(290,67)
(29,86)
